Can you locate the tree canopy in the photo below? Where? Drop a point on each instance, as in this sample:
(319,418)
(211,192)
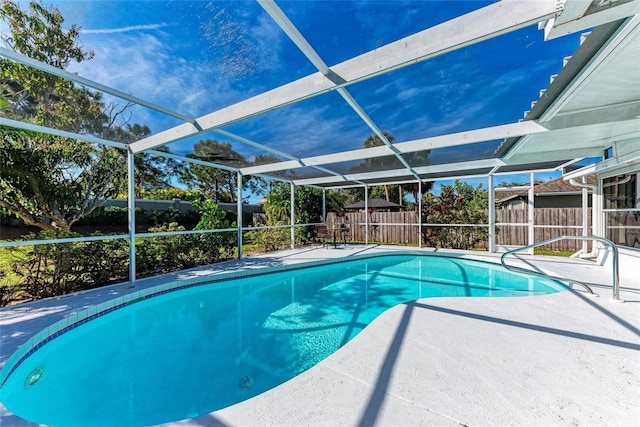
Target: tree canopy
(390,192)
(50,181)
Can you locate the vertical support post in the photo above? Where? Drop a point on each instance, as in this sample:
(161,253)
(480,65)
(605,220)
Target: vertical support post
(131,214)
(293,216)
(636,203)
(597,205)
(420,218)
(531,204)
(366,215)
(492,214)
(324,206)
(585,219)
(239,213)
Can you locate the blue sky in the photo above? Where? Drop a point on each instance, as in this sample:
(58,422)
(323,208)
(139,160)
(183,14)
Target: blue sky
(197,57)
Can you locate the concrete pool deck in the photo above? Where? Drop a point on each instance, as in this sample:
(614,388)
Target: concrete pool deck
(561,359)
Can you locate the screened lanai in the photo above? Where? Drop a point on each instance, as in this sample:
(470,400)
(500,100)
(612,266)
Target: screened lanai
(335,96)
(482,89)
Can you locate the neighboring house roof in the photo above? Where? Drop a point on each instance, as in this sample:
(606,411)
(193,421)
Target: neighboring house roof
(555,187)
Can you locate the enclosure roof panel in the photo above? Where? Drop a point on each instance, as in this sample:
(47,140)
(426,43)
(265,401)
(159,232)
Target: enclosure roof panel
(352,93)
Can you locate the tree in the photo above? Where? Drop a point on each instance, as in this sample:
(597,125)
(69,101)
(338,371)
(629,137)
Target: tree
(382,163)
(50,181)
(456,204)
(218,184)
(391,162)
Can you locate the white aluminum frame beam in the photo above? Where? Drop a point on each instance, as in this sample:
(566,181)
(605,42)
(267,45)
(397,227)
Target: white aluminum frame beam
(25,60)
(482,24)
(450,140)
(94,140)
(17,124)
(579,16)
(475,164)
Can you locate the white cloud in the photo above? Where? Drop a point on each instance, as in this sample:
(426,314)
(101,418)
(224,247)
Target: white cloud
(128,29)
(143,65)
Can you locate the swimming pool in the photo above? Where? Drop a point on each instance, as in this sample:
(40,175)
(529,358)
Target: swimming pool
(183,351)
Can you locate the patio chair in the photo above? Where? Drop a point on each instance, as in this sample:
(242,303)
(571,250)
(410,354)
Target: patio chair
(322,234)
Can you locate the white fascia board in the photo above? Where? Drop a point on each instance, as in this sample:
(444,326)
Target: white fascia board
(461,138)
(345,156)
(514,188)
(620,39)
(177,133)
(458,166)
(359,154)
(56,132)
(25,60)
(271,167)
(616,11)
(482,24)
(353,177)
(469,137)
(190,160)
(607,167)
(573,9)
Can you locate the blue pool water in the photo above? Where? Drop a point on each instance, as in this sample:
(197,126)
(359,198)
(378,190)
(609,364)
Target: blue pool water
(193,351)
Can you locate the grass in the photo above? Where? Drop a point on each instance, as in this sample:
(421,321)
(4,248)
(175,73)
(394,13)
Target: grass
(552,252)
(6,262)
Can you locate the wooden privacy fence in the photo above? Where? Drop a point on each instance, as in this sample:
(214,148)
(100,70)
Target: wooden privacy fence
(548,223)
(384,227)
(402,227)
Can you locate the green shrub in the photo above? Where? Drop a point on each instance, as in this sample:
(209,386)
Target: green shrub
(60,268)
(162,254)
(270,239)
(56,269)
(458,204)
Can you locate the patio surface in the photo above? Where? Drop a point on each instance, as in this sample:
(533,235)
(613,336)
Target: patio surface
(562,359)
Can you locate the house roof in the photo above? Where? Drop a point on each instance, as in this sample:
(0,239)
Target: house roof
(554,187)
